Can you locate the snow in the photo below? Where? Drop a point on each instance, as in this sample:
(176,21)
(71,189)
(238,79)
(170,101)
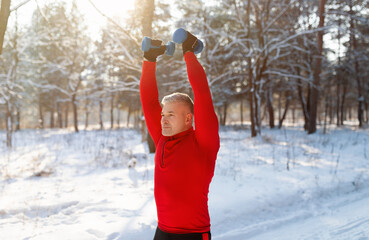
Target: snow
(285,184)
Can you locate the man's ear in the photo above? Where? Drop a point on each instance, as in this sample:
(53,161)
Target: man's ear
(189,118)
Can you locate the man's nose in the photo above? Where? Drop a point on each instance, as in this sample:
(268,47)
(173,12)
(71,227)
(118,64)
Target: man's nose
(164,120)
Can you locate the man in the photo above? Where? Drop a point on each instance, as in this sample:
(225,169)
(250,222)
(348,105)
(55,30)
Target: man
(184,158)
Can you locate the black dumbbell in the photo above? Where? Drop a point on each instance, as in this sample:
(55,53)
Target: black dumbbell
(146,45)
(180,35)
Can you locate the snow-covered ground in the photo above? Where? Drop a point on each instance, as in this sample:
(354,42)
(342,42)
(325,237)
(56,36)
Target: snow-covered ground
(285,184)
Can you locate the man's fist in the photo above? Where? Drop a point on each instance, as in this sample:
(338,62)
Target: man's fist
(153,53)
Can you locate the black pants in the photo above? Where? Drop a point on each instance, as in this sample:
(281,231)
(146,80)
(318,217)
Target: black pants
(160,235)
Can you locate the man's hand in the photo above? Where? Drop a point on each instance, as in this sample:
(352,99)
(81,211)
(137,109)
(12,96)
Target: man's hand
(153,53)
(190,44)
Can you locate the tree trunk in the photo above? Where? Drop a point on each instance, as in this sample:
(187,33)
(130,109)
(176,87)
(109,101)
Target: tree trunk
(225,107)
(279,104)
(87,113)
(367,112)
(338,76)
(257,115)
(58,110)
(18,119)
(66,114)
(250,75)
(251,103)
(270,107)
(331,112)
(137,121)
(241,111)
(261,16)
(344,91)
(314,98)
(101,111)
(151,143)
(41,116)
(360,110)
(149,9)
(128,115)
(219,114)
(293,112)
(304,104)
(52,118)
(118,118)
(75,112)
(287,104)
(4,16)
(112,111)
(325,116)
(338,93)
(308,106)
(8,125)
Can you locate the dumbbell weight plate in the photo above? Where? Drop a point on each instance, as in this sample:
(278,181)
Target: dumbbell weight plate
(170,48)
(199,46)
(179,36)
(146,44)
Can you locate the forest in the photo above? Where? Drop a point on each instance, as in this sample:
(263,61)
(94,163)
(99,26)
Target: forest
(304,60)
(290,88)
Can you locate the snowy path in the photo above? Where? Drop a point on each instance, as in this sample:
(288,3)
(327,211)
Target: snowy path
(347,221)
(342,218)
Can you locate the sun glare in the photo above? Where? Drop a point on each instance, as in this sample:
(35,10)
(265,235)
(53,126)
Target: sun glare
(116,10)
(111,8)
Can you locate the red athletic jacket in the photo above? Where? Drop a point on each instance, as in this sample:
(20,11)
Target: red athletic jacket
(184,163)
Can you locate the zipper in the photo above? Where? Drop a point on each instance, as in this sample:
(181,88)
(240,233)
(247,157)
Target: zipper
(162,155)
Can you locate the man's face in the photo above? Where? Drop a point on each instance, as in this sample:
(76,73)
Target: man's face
(176,117)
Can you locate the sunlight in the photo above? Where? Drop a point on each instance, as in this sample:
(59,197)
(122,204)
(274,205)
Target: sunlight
(111,8)
(116,10)
(93,19)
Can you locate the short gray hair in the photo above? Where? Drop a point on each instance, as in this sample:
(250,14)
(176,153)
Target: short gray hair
(178,97)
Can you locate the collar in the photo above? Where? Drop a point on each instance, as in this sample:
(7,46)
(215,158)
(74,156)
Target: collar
(180,135)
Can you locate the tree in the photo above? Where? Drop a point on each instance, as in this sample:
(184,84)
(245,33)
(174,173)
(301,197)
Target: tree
(314,99)
(354,57)
(10,87)
(348,17)
(266,36)
(4,16)
(60,51)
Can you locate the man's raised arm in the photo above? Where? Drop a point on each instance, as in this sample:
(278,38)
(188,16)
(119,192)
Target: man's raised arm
(149,91)
(150,100)
(206,121)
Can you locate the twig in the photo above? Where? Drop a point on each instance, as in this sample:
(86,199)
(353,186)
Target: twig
(19,5)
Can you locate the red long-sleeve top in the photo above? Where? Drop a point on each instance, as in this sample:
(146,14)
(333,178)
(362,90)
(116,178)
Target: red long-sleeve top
(184,163)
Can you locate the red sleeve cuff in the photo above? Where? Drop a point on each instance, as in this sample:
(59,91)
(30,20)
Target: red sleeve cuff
(148,63)
(189,55)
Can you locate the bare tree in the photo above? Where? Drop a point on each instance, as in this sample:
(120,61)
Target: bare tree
(314,99)
(354,56)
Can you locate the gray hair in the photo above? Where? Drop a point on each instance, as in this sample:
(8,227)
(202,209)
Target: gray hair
(178,98)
